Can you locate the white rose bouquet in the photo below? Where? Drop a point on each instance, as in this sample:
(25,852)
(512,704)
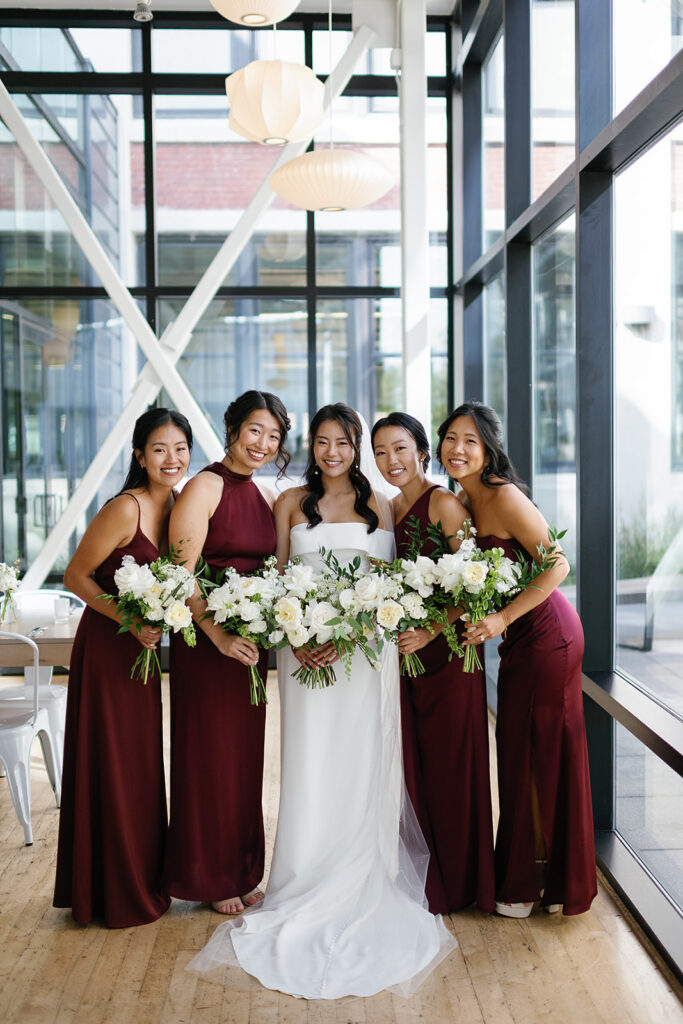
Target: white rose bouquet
(481,582)
(9,584)
(245,605)
(156,594)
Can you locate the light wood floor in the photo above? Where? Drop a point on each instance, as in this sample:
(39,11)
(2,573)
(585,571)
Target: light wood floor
(544,970)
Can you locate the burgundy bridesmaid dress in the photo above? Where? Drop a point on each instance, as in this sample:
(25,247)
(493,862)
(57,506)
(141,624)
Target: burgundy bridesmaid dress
(215,847)
(113,816)
(540,732)
(446,764)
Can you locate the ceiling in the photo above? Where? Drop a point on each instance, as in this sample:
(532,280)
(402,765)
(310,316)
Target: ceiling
(438,7)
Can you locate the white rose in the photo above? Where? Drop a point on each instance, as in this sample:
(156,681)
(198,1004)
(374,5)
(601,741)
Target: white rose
(297,635)
(276,636)
(414,606)
(299,580)
(320,615)
(134,579)
(389,614)
(367,590)
(178,616)
(249,586)
(288,612)
(249,611)
(258,626)
(416,577)
(449,571)
(474,575)
(347,598)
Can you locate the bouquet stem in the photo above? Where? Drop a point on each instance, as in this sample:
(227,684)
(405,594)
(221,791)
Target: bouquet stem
(8,610)
(147,661)
(257,688)
(315,678)
(411,665)
(471,661)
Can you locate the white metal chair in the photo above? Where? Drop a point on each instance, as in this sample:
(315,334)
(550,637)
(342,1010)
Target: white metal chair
(40,604)
(20,721)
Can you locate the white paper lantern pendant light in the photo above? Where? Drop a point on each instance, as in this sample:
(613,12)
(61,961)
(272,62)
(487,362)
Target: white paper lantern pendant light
(274,102)
(255,12)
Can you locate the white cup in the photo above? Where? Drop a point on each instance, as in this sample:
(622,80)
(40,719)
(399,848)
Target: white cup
(62,609)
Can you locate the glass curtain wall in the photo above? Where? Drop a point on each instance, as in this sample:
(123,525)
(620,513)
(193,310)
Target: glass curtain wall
(310,308)
(572,326)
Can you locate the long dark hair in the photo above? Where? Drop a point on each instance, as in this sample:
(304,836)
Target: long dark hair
(242,407)
(347,419)
(144,425)
(414,428)
(490,431)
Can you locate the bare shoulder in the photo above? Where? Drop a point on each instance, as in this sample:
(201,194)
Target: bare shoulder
(444,502)
(122,511)
(267,493)
(291,498)
(202,487)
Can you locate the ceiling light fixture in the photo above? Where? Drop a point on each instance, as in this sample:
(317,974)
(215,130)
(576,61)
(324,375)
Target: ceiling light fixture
(255,12)
(275,101)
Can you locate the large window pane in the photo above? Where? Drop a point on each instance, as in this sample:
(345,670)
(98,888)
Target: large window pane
(552,90)
(649,419)
(646,35)
(28,48)
(206,176)
(493,136)
(247,343)
(554,381)
(220,50)
(649,811)
(495,368)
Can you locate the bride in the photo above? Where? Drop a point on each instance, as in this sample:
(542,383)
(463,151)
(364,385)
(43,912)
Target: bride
(345,912)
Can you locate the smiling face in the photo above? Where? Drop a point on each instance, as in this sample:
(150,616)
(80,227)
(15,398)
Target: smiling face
(332,449)
(397,456)
(463,454)
(166,455)
(256,444)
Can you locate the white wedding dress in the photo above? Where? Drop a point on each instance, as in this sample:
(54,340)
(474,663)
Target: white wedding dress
(345,912)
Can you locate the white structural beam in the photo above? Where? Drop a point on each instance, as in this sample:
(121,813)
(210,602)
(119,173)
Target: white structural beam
(162,356)
(414,227)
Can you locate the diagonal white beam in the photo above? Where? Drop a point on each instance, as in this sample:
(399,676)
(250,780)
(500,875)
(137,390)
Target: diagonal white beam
(177,335)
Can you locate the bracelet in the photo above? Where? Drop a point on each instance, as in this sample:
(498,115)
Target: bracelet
(503,612)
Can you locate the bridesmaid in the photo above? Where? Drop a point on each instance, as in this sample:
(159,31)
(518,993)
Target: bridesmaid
(215,846)
(113,817)
(443,712)
(544,846)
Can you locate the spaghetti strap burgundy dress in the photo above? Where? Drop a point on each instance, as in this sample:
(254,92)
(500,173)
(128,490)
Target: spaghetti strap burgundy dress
(446,763)
(540,733)
(215,847)
(113,816)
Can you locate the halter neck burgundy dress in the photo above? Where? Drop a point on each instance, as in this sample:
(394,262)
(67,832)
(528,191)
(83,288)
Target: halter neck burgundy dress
(215,847)
(112,823)
(540,733)
(446,763)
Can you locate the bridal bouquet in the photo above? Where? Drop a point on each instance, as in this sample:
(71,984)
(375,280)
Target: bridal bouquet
(157,594)
(245,605)
(482,582)
(9,584)
(310,612)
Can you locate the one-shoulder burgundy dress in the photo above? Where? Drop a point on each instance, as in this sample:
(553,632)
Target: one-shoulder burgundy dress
(540,732)
(215,847)
(112,824)
(446,763)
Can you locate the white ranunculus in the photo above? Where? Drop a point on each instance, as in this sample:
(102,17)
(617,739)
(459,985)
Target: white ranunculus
(249,611)
(134,579)
(321,613)
(414,606)
(178,616)
(474,575)
(347,598)
(389,614)
(258,626)
(367,590)
(276,636)
(250,586)
(287,612)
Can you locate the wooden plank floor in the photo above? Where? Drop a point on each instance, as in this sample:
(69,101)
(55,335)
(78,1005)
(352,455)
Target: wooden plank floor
(544,970)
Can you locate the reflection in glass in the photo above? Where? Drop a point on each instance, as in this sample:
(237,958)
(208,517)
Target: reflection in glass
(495,372)
(554,381)
(66,366)
(220,50)
(247,343)
(552,90)
(649,420)
(649,811)
(660,23)
(493,137)
(33,48)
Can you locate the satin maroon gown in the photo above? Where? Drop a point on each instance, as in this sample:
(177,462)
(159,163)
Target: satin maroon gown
(446,764)
(113,816)
(540,732)
(215,847)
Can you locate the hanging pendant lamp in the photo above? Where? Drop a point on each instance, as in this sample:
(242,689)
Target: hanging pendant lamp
(331,180)
(255,12)
(275,101)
